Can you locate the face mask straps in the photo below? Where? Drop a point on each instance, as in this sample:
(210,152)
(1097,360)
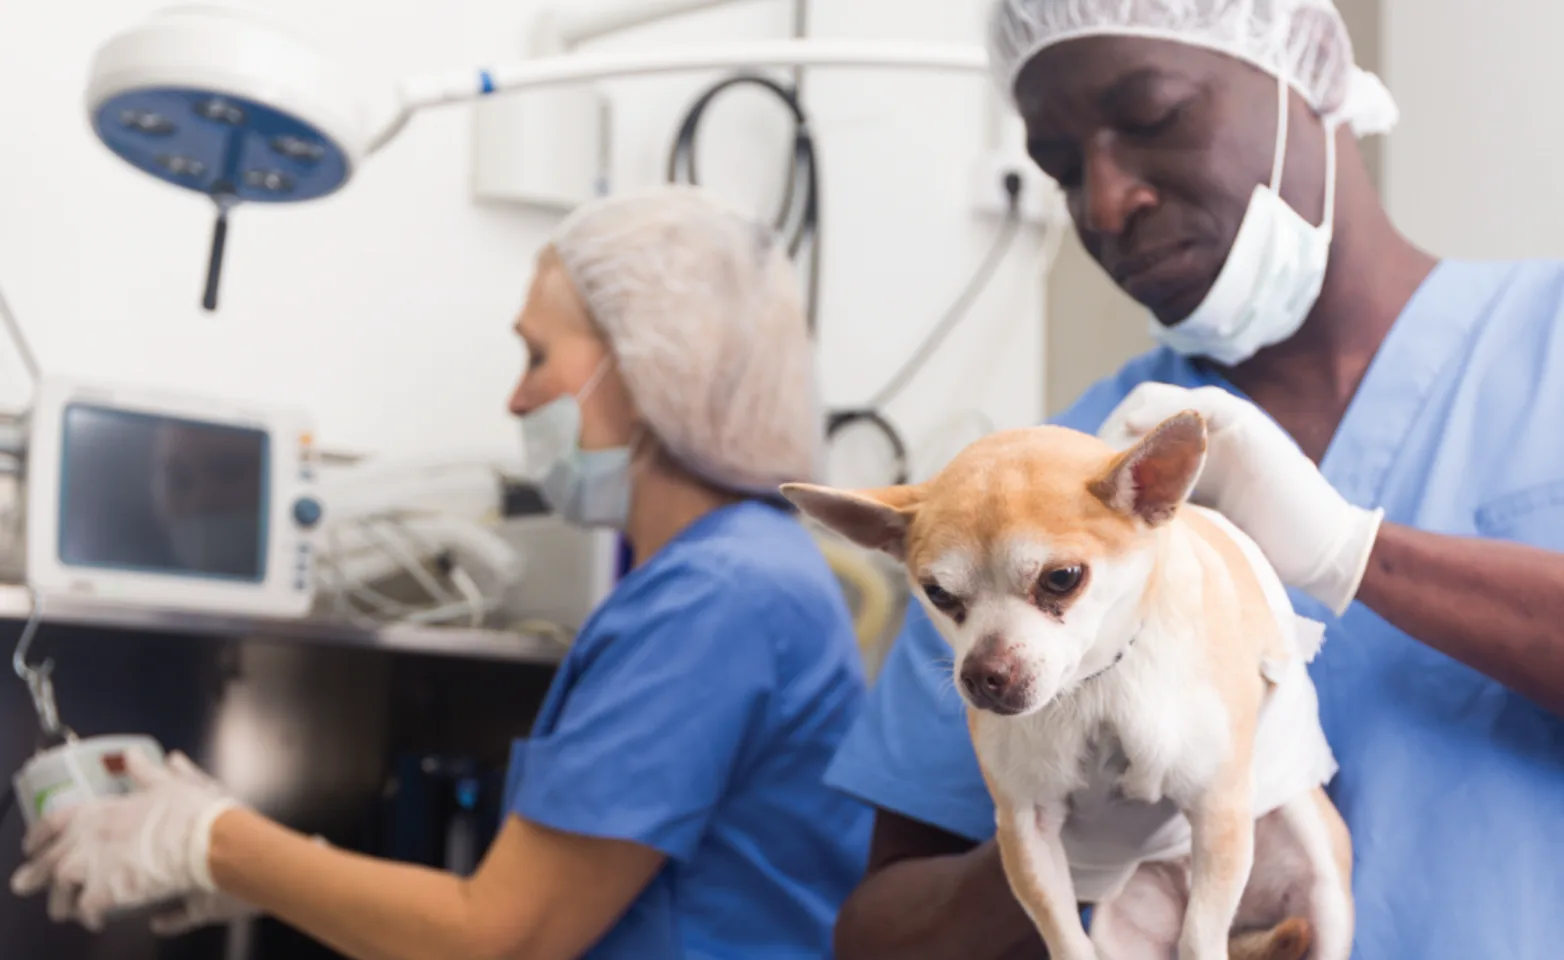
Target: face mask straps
(1279,159)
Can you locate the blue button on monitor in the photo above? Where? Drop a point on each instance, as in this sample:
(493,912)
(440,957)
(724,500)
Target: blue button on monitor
(306,511)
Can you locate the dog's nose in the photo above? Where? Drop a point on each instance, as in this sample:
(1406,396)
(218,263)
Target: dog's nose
(987,680)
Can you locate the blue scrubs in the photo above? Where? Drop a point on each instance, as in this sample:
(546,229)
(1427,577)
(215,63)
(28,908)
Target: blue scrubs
(1452,784)
(696,713)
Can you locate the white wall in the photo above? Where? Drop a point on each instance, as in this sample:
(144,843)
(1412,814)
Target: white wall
(385,309)
(1472,171)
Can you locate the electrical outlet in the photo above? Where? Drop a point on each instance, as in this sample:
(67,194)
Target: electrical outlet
(1042,204)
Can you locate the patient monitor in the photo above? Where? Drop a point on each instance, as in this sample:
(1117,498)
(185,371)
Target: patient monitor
(142,498)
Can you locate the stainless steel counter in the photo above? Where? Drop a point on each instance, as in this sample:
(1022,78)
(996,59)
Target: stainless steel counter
(466,643)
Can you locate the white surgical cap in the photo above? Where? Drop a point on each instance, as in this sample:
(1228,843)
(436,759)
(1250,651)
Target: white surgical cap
(1301,41)
(700,307)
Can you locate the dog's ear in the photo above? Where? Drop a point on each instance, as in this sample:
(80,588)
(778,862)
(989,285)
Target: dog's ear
(1151,479)
(875,519)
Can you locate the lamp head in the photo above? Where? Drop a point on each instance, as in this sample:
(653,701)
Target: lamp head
(227,102)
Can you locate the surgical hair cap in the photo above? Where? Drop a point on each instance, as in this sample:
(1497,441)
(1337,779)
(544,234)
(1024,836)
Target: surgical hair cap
(1303,42)
(700,307)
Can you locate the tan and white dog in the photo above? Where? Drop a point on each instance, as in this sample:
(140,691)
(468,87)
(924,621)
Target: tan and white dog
(1137,692)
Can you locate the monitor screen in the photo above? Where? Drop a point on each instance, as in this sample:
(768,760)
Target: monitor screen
(159,494)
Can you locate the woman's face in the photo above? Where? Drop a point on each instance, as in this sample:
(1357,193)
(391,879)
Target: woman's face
(563,352)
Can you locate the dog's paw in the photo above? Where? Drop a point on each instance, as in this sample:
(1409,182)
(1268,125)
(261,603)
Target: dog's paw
(1288,940)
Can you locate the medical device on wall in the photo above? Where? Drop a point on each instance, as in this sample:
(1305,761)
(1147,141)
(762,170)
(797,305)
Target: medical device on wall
(144,498)
(230,103)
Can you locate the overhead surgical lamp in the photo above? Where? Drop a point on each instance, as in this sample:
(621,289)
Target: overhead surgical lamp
(230,103)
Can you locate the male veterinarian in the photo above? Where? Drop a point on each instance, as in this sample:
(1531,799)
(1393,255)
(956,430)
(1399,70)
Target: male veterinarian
(1208,150)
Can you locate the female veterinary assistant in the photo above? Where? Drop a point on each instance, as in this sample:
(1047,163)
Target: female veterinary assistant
(670,801)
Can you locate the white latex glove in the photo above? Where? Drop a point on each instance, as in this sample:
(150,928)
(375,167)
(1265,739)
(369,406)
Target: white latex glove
(1256,476)
(200,909)
(124,852)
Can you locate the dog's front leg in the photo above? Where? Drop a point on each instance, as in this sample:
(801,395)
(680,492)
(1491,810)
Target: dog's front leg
(1033,855)
(1222,832)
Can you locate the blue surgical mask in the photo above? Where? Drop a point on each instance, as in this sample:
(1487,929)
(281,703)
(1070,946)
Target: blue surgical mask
(589,488)
(1273,272)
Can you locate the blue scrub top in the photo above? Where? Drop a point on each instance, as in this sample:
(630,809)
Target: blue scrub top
(1452,784)
(696,713)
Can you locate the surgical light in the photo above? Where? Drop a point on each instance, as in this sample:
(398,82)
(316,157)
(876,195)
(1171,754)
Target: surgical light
(233,104)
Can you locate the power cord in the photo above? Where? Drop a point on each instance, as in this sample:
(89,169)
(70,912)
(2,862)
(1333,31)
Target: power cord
(870,414)
(959,309)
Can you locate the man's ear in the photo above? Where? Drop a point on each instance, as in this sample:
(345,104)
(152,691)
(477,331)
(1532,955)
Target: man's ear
(1151,479)
(876,519)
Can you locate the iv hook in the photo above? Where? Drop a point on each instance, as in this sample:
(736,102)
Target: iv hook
(40,684)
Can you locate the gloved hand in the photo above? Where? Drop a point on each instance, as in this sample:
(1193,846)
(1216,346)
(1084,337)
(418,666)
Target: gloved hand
(199,909)
(1256,476)
(123,852)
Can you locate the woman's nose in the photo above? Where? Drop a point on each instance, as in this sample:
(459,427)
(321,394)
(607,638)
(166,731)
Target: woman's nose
(520,404)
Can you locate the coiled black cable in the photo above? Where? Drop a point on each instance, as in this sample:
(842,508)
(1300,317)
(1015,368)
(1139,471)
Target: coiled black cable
(798,220)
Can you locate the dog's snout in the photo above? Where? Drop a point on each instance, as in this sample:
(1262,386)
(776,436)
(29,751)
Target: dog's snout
(988,679)
(990,676)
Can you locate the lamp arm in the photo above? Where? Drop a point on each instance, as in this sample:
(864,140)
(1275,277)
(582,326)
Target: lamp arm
(435,89)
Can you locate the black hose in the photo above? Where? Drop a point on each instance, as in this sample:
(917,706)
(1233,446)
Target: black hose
(840,420)
(798,220)
(954,314)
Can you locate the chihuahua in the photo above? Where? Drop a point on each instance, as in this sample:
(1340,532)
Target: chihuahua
(1137,690)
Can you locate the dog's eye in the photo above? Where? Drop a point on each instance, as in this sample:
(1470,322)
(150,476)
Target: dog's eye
(942,599)
(1061,580)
